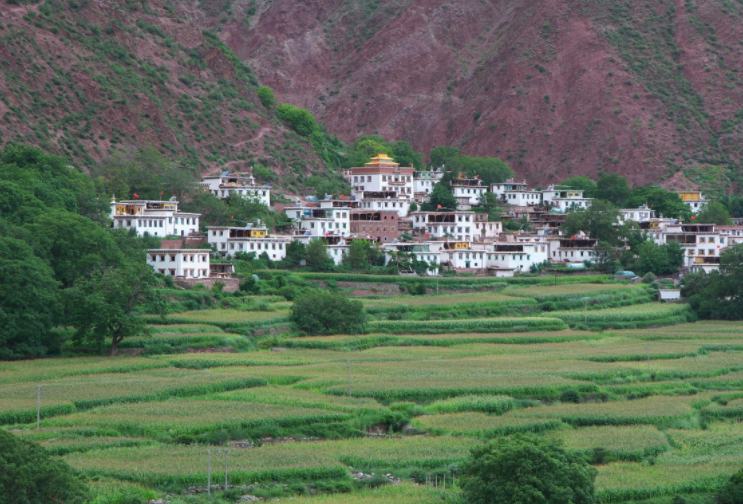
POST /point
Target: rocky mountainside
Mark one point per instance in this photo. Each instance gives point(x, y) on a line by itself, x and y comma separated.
point(83, 78)
point(555, 88)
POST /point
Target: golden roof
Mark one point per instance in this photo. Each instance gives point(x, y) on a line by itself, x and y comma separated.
point(381, 159)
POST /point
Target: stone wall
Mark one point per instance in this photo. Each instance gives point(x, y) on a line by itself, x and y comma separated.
point(230, 284)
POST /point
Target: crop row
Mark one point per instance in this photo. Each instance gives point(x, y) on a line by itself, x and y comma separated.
point(505, 324)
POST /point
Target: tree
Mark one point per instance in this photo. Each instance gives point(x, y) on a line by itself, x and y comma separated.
point(30, 475)
point(665, 203)
point(296, 252)
point(29, 304)
point(612, 188)
point(714, 213)
point(317, 254)
point(598, 221)
point(266, 96)
point(732, 492)
point(357, 257)
point(718, 295)
point(105, 306)
point(403, 153)
point(324, 312)
point(443, 197)
point(527, 469)
point(659, 259)
point(298, 118)
point(605, 258)
point(488, 201)
point(581, 183)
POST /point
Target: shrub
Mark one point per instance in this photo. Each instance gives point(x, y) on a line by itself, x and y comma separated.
point(570, 396)
point(649, 277)
point(526, 469)
point(266, 96)
point(28, 474)
point(322, 312)
point(300, 119)
point(732, 492)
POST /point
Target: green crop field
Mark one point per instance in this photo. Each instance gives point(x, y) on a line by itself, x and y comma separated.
point(654, 401)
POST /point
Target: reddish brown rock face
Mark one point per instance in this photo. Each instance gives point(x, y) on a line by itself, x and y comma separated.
point(555, 88)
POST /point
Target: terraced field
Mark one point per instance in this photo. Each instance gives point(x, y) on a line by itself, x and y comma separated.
point(658, 410)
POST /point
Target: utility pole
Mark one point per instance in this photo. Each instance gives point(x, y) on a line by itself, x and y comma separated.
point(348, 363)
point(38, 405)
point(585, 311)
point(209, 473)
point(648, 358)
point(225, 469)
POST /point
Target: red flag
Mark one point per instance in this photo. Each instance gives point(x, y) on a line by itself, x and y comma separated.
point(136, 195)
point(427, 235)
point(438, 206)
point(693, 217)
point(161, 193)
point(343, 197)
point(232, 217)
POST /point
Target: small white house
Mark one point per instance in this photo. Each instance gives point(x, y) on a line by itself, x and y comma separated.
point(183, 263)
point(224, 185)
point(669, 295)
point(156, 218)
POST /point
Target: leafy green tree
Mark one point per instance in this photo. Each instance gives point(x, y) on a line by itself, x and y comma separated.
point(612, 188)
point(581, 183)
point(447, 157)
point(605, 257)
point(718, 295)
point(105, 307)
point(134, 171)
point(665, 203)
point(266, 96)
point(659, 259)
point(403, 153)
point(317, 254)
point(296, 252)
point(714, 213)
point(490, 170)
point(324, 312)
point(298, 118)
point(488, 201)
point(732, 492)
point(28, 302)
point(527, 469)
point(443, 197)
point(358, 254)
point(30, 475)
point(72, 245)
point(598, 221)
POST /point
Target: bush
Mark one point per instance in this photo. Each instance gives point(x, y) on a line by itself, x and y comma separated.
point(300, 119)
point(322, 312)
point(527, 469)
point(266, 96)
point(570, 396)
point(732, 492)
point(29, 475)
point(649, 277)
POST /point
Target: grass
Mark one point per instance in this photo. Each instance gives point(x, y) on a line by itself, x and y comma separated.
point(298, 397)
point(186, 465)
point(193, 416)
point(623, 441)
point(502, 324)
point(482, 425)
point(552, 292)
point(634, 316)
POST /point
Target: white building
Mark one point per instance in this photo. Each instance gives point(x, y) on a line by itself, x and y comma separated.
point(638, 214)
point(382, 174)
point(422, 252)
point(505, 259)
point(320, 222)
point(484, 229)
point(230, 240)
point(423, 182)
point(222, 186)
point(522, 197)
point(456, 225)
point(572, 251)
point(565, 200)
point(183, 263)
point(468, 190)
point(385, 201)
point(694, 199)
point(157, 218)
point(509, 185)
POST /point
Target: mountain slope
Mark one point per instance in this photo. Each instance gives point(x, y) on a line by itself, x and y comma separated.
point(81, 78)
point(555, 88)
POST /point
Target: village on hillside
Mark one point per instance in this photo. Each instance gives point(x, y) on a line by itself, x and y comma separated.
point(383, 208)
